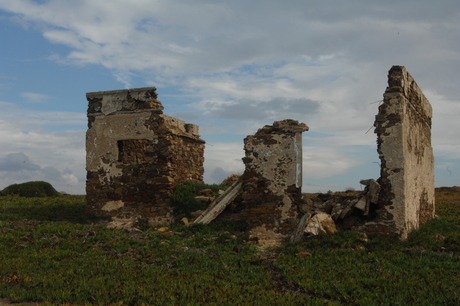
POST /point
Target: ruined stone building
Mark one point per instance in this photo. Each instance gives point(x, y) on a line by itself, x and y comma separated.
point(136, 155)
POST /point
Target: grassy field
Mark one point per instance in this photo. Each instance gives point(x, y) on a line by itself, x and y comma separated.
point(52, 253)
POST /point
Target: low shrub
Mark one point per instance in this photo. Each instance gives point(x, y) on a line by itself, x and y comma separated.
point(31, 189)
point(183, 197)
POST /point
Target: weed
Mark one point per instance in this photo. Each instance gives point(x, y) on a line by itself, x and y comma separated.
point(142, 224)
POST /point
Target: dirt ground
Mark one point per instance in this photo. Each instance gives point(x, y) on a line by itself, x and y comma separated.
point(5, 302)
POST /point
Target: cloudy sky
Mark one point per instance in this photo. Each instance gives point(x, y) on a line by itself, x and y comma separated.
point(230, 67)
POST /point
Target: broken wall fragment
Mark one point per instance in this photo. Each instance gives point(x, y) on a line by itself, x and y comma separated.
point(272, 181)
point(403, 128)
point(403, 196)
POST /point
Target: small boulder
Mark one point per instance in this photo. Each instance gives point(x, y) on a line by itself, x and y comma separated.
point(362, 203)
point(185, 221)
point(321, 223)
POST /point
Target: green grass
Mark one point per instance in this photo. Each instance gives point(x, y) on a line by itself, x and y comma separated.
point(52, 253)
point(379, 271)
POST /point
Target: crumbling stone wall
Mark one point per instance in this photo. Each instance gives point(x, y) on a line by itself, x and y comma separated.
point(403, 127)
point(272, 181)
point(136, 155)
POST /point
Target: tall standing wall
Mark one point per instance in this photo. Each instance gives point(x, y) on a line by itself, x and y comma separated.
point(403, 127)
point(136, 155)
point(272, 181)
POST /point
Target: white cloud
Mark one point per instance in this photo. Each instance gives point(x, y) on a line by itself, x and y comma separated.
point(251, 110)
point(221, 160)
point(28, 152)
point(319, 162)
point(323, 162)
point(26, 119)
point(183, 37)
point(17, 162)
point(63, 37)
point(322, 63)
point(33, 97)
point(18, 168)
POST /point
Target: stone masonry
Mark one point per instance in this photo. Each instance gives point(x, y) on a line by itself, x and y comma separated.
point(403, 128)
point(403, 196)
point(272, 181)
point(136, 155)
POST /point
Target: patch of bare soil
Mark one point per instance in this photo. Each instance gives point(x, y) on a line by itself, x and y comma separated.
point(5, 302)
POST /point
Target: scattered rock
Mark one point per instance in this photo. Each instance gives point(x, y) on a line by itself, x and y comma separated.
point(362, 203)
point(344, 210)
point(349, 221)
point(336, 211)
point(326, 206)
point(374, 191)
point(185, 221)
point(439, 237)
point(321, 223)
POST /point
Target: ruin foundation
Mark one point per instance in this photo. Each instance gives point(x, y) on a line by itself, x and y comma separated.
point(136, 155)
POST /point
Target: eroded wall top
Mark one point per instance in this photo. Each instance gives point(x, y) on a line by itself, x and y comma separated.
point(109, 102)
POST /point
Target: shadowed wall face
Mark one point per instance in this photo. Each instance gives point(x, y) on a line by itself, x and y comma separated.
point(403, 127)
point(136, 155)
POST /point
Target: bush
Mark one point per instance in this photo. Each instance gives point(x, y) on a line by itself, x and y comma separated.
point(183, 197)
point(31, 189)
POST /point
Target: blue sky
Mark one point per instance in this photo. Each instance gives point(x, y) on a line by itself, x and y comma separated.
point(231, 67)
